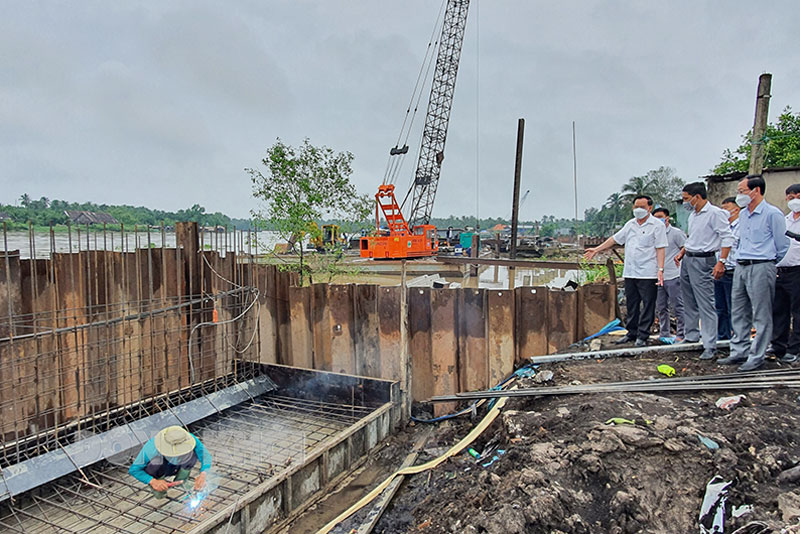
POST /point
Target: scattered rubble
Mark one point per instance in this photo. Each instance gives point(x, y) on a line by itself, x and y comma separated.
point(565, 471)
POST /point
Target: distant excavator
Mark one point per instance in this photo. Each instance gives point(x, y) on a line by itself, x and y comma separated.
point(415, 237)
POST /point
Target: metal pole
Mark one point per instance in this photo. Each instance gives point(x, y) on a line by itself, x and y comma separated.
point(575, 173)
point(512, 250)
point(757, 151)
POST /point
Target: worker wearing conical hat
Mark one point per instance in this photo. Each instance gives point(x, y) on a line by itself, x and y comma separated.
point(171, 453)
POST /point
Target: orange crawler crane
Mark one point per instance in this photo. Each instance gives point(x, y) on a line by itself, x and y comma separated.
point(415, 237)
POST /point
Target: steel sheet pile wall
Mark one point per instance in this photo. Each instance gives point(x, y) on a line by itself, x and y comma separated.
point(85, 333)
point(458, 339)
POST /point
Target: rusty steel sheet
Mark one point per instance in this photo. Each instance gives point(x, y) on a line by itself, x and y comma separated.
point(419, 332)
point(444, 346)
point(390, 338)
point(597, 308)
point(302, 344)
point(562, 320)
point(340, 302)
point(531, 322)
point(473, 363)
point(321, 322)
point(500, 331)
point(366, 338)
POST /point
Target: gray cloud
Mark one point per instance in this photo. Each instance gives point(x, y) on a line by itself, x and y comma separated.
point(164, 104)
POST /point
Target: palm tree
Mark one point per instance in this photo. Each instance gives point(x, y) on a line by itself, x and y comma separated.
point(638, 185)
point(25, 199)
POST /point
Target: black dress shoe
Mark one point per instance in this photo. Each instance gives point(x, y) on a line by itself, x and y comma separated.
point(624, 340)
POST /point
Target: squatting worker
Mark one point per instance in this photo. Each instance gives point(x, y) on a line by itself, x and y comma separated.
point(709, 234)
point(723, 286)
point(786, 310)
point(171, 453)
point(762, 243)
point(669, 294)
point(645, 239)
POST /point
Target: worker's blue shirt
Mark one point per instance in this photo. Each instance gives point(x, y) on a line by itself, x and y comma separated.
point(149, 452)
point(762, 233)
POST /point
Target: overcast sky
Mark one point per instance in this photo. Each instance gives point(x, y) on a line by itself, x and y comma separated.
point(164, 103)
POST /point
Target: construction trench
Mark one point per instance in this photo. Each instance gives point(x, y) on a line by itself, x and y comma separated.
point(289, 387)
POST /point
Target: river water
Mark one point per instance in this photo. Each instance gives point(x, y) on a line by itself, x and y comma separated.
point(43, 243)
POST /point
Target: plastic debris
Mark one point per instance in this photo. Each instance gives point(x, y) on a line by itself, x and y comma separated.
point(620, 421)
point(708, 442)
point(666, 370)
point(500, 452)
point(739, 511)
point(727, 403)
point(543, 376)
point(472, 452)
point(712, 511)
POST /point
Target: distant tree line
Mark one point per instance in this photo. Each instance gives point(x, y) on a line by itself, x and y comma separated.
point(45, 212)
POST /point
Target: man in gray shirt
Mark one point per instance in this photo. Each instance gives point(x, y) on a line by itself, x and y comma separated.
point(669, 294)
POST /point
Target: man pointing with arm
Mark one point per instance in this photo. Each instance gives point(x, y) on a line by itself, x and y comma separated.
point(645, 239)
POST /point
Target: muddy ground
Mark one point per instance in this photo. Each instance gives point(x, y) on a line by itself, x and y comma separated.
point(565, 470)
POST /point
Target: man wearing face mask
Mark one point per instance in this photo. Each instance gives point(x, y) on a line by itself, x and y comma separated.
point(171, 453)
point(786, 310)
point(723, 287)
point(669, 294)
point(645, 239)
point(709, 235)
point(762, 243)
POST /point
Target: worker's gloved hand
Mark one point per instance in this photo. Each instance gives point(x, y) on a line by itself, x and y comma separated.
point(200, 482)
point(159, 485)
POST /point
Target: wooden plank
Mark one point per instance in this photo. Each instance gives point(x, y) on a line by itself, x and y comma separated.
point(389, 332)
point(302, 342)
point(419, 331)
point(531, 322)
point(562, 320)
point(444, 347)
point(366, 326)
point(473, 363)
point(501, 335)
point(340, 302)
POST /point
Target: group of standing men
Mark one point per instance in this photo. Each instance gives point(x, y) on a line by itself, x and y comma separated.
point(738, 269)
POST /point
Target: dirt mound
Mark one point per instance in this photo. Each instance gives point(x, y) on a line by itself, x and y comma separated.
point(566, 470)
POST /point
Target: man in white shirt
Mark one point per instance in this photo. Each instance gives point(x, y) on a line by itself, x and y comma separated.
point(723, 287)
point(709, 236)
point(786, 308)
point(669, 294)
point(645, 240)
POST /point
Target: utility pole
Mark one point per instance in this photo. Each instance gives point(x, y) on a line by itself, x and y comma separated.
point(575, 172)
point(760, 124)
point(515, 205)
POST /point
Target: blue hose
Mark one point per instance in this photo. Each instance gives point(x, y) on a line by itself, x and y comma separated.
point(524, 371)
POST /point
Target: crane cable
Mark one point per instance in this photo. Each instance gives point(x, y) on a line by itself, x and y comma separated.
point(393, 163)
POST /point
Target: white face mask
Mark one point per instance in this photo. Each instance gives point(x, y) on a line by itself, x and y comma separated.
point(794, 205)
point(687, 205)
point(639, 213)
point(743, 199)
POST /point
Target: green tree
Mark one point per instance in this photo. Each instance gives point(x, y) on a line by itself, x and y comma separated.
point(782, 146)
point(303, 185)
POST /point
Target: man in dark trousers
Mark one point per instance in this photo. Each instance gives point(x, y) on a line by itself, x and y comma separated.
point(786, 310)
point(762, 243)
point(645, 240)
